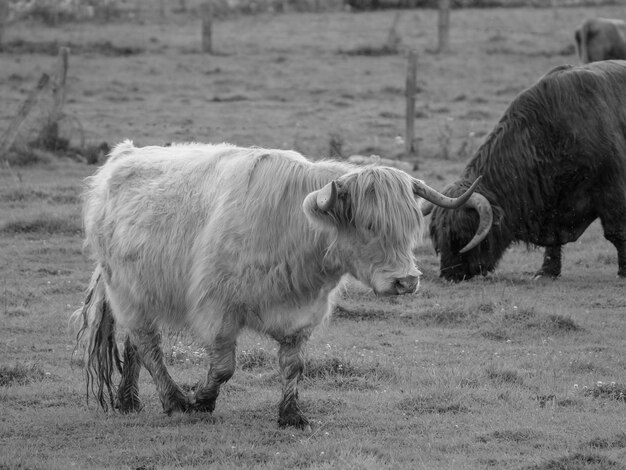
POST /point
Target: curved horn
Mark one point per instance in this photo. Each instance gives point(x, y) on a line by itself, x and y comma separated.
point(327, 197)
point(422, 189)
point(480, 203)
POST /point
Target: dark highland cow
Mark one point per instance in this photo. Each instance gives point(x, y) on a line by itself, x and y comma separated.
point(554, 163)
point(601, 39)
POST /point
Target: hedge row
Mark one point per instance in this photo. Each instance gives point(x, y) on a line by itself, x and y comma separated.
point(59, 11)
point(388, 4)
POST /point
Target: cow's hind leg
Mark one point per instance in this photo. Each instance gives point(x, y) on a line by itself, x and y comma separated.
point(291, 363)
point(551, 266)
point(221, 369)
point(617, 236)
point(147, 341)
point(128, 391)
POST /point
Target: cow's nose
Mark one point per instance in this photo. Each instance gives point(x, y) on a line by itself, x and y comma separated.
point(407, 285)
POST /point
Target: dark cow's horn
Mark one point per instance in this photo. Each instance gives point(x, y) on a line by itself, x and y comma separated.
point(481, 204)
point(327, 197)
point(422, 189)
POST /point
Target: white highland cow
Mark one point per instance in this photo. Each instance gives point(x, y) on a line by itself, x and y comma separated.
point(215, 238)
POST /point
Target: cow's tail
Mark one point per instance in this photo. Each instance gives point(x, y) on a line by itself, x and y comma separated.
point(96, 337)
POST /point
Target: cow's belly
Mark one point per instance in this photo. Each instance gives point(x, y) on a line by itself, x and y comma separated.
point(564, 225)
point(285, 320)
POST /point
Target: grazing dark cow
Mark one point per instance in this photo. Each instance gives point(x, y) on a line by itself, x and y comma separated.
point(215, 238)
point(601, 39)
point(554, 163)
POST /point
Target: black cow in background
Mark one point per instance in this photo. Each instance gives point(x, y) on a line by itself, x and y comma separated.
point(554, 163)
point(601, 39)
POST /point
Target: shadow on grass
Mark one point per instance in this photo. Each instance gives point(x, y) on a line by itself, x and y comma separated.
point(21, 374)
point(579, 461)
point(44, 224)
point(512, 435)
point(438, 402)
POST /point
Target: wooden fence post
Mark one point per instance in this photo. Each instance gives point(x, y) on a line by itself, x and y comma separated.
point(11, 133)
point(444, 26)
point(206, 10)
point(411, 89)
point(4, 18)
point(60, 77)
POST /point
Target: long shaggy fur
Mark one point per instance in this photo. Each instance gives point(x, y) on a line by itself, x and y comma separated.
point(558, 146)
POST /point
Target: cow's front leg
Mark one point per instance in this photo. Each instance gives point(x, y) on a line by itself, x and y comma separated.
point(147, 341)
point(551, 266)
point(221, 369)
point(291, 363)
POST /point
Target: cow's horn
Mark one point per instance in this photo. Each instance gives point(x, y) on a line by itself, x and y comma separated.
point(327, 197)
point(483, 207)
point(422, 189)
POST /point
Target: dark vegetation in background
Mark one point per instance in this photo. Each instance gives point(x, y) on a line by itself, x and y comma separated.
point(363, 5)
point(53, 13)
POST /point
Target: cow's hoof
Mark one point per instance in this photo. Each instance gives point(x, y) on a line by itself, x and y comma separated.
point(202, 402)
point(203, 406)
point(133, 405)
point(177, 404)
point(545, 275)
point(295, 420)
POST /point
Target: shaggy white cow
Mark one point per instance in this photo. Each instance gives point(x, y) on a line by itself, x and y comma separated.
point(215, 238)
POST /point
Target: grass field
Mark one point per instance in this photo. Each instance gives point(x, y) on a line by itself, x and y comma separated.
point(499, 372)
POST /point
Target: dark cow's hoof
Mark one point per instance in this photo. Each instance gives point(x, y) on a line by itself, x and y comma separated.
point(545, 275)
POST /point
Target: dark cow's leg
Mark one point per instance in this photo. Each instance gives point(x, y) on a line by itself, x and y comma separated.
point(617, 236)
point(551, 262)
point(222, 368)
point(128, 390)
point(147, 341)
point(291, 363)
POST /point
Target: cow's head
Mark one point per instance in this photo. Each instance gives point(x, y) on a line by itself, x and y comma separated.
point(464, 237)
point(375, 222)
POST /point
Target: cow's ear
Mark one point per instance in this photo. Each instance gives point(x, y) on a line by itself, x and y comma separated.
point(326, 198)
point(323, 206)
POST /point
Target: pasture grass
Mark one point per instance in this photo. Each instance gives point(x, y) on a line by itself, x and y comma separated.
point(497, 372)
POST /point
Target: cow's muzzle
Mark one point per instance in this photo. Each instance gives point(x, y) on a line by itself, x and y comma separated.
point(404, 285)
